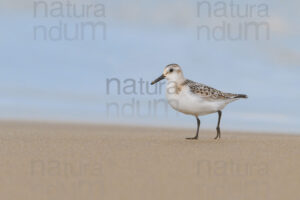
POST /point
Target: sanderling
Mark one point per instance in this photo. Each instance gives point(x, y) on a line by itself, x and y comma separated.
point(193, 98)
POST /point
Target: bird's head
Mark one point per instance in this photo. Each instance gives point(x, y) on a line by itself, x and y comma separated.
point(172, 72)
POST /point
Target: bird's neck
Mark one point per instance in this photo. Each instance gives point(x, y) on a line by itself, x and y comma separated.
point(174, 87)
point(178, 80)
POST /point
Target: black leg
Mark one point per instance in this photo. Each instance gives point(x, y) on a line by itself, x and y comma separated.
point(218, 127)
point(198, 125)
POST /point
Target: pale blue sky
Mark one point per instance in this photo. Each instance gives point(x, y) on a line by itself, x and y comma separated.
point(66, 80)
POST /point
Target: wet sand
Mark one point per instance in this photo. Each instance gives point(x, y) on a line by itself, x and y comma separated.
point(76, 161)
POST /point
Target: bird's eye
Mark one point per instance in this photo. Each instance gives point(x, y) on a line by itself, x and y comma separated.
point(171, 70)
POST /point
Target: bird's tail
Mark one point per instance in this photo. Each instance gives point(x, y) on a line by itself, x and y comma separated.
point(237, 96)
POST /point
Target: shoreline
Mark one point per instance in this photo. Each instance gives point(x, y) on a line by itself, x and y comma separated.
point(130, 125)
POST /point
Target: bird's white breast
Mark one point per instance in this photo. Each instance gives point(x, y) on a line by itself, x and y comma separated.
point(183, 100)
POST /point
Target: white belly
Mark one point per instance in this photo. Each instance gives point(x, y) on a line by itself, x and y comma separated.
point(193, 104)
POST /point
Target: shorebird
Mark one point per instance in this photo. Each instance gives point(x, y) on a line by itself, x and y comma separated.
point(194, 98)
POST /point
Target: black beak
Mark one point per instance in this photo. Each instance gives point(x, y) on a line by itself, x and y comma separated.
point(158, 79)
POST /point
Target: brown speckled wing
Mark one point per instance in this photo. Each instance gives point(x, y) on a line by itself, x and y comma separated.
point(206, 91)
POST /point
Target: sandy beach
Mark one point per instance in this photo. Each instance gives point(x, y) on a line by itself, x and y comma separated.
point(76, 161)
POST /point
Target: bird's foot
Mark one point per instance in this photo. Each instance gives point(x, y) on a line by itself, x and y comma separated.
point(217, 137)
point(192, 138)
